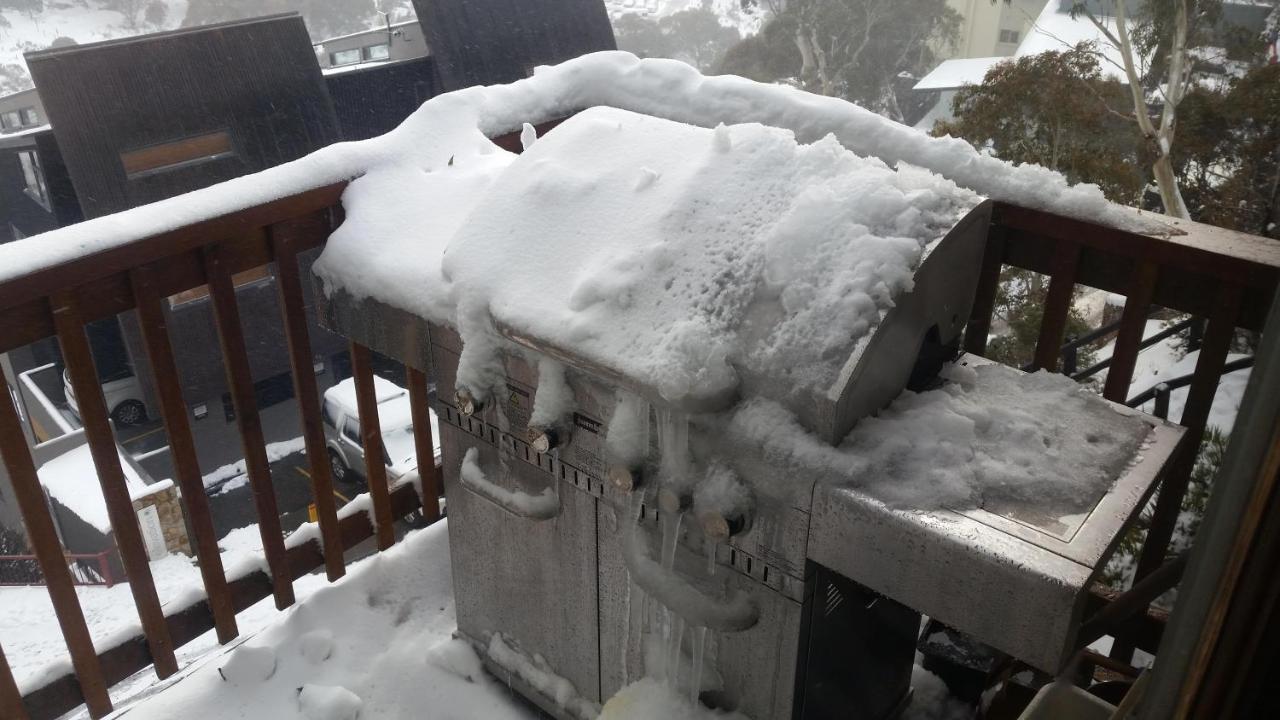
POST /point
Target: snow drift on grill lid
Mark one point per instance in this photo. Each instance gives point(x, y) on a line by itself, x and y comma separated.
point(684, 259)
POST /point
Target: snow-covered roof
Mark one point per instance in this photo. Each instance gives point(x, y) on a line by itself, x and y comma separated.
point(371, 31)
point(72, 480)
point(457, 125)
point(1056, 30)
point(952, 74)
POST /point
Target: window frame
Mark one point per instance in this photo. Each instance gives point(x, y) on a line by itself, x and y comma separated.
point(367, 52)
point(351, 430)
point(1015, 35)
point(36, 187)
point(335, 62)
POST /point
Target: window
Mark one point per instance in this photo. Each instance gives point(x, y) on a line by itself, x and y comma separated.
point(33, 175)
point(189, 151)
point(274, 390)
point(377, 52)
point(351, 430)
point(1009, 36)
point(345, 57)
point(11, 119)
point(30, 116)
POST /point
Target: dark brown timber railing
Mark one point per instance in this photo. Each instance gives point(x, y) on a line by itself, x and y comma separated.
point(1225, 277)
point(1207, 272)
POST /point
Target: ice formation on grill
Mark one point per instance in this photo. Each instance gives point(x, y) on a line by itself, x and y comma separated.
point(678, 256)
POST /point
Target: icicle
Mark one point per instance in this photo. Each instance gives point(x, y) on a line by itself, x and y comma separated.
point(670, 539)
point(699, 657)
point(673, 650)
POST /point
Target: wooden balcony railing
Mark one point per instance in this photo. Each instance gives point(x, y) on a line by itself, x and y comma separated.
point(140, 276)
point(1224, 277)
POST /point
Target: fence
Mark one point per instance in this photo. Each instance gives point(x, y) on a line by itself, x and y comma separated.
point(17, 570)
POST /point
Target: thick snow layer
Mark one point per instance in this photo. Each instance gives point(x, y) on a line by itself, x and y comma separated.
point(543, 505)
point(680, 254)
point(538, 674)
point(72, 480)
point(33, 643)
point(650, 699)
point(410, 190)
point(380, 639)
point(391, 656)
point(991, 437)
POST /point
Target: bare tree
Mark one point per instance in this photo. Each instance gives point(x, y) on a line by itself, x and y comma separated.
point(1171, 92)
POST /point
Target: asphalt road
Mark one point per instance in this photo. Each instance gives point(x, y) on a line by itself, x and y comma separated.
point(291, 479)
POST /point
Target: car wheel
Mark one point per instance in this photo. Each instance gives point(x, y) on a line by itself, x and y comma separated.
point(337, 467)
point(129, 412)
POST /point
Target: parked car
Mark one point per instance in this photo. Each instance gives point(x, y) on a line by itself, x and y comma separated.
point(342, 430)
point(124, 398)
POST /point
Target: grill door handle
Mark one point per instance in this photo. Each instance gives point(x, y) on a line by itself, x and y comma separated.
point(543, 506)
point(736, 614)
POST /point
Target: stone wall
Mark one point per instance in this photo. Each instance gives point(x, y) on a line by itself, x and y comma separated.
point(173, 523)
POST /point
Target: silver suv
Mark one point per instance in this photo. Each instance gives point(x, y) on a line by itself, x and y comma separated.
point(342, 430)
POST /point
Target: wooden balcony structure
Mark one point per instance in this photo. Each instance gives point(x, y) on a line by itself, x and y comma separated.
point(1225, 277)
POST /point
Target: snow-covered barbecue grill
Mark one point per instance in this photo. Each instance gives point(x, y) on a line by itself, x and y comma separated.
point(659, 448)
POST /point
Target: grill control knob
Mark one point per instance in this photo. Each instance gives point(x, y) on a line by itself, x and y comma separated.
point(624, 478)
point(672, 501)
point(719, 528)
point(467, 403)
point(543, 439)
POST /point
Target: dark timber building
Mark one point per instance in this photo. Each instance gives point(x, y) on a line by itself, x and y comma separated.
point(484, 42)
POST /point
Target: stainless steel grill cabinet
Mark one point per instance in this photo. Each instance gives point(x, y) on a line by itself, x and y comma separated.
point(813, 600)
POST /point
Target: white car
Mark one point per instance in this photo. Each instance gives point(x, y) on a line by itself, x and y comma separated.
point(123, 395)
point(342, 429)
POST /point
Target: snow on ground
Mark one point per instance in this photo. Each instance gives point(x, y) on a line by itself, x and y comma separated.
point(1165, 361)
point(377, 645)
point(232, 475)
point(29, 629)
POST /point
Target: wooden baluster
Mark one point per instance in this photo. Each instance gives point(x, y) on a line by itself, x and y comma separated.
point(1133, 322)
point(371, 439)
point(186, 465)
point(48, 550)
point(83, 374)
point(1057, 305)
point(1195, 417)
point(10, 699)
point(226, 314)
point(289, 285)
point(979, 326)
point(424, 444)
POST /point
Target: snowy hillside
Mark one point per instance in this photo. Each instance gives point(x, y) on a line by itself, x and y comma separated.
point(27, 25)
point(730, 11)
point(83, 21)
